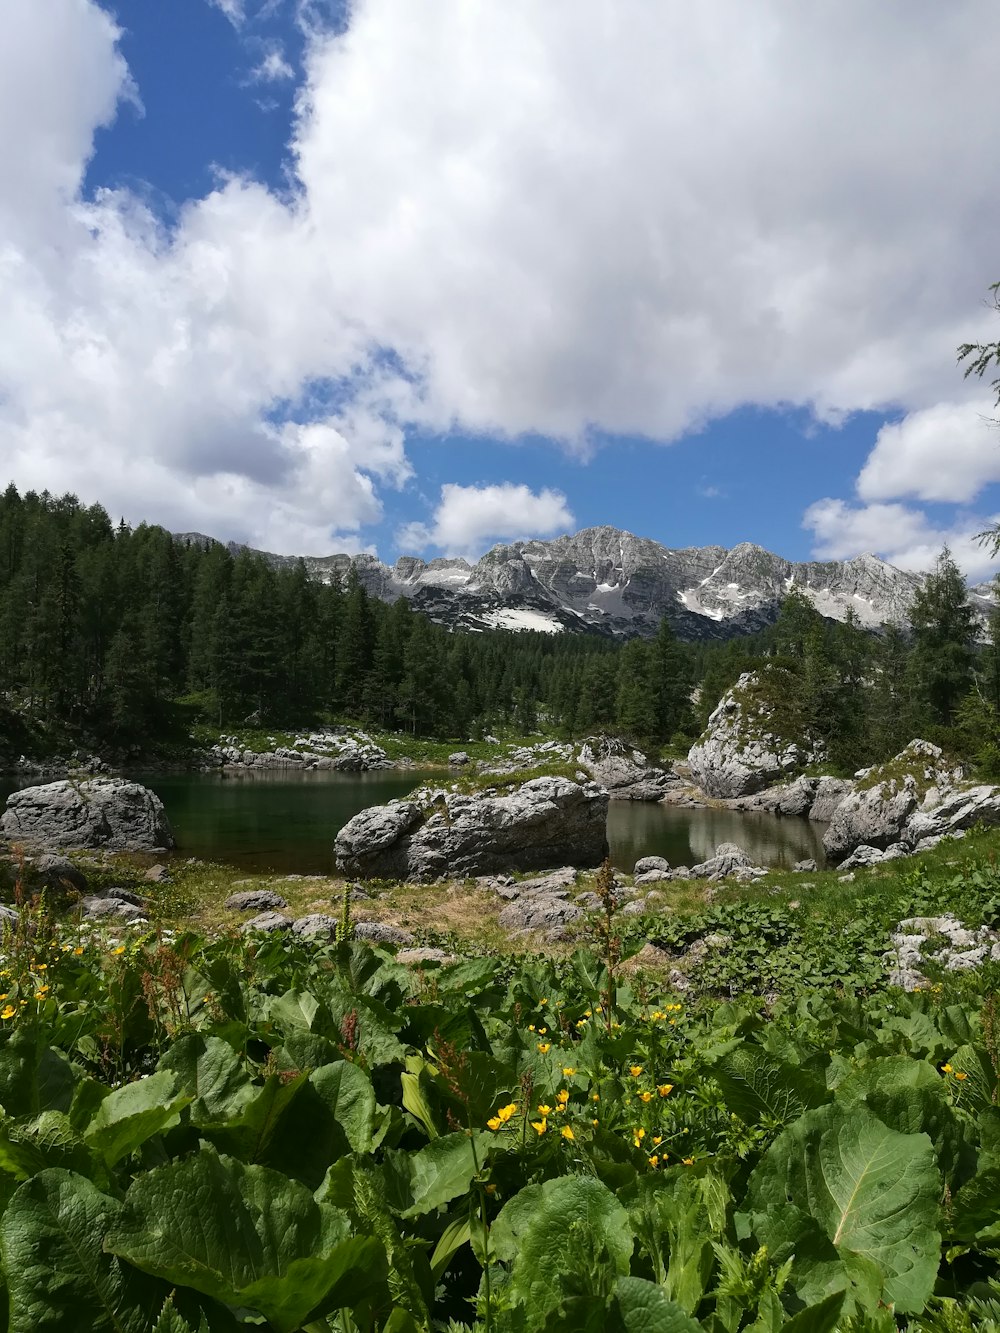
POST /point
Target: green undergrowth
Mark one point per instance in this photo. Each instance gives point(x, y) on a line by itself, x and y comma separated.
point(206, 1135)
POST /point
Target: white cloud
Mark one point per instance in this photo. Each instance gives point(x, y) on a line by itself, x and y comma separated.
point(946, 452)
point(272, 67)
point(234, 10)
point(558, 217)
point(468, 519)
point(903, 536)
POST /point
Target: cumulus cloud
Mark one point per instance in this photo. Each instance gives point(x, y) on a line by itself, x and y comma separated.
point(272, 67)
point(468, 519)
point(559, 219)
point(946, 452)
point(902, 535)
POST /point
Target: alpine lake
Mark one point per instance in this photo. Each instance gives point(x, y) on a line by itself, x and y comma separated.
point(285, 822)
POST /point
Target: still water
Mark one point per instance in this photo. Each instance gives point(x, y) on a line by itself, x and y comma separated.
point(286, 822)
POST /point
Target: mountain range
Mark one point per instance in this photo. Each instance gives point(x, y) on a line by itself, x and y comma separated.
point(608, 581)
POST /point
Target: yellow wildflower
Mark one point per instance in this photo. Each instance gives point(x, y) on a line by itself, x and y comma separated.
point(41, 967)
point(544, 1110)
point(960, 1076)
point(657, 1140)
point(595, 1097)
point(562, 1096)
point(673, 1022)
point(494, 1123)
point(593, 1122)
point(8, 1011)
point(540, 1126)
point(645, 1096)
point(544, 1047)
point(568, 1072)
point(657, 1016)
point(638, 1134)
point(77, 952)
point(946, 1069)
point(542, 1031)
point(506, 1112)
point(567, 1133)
point(42, 990)
point(654, 1161)
point(635, 1070)
point(531, 1027)
point(120, 949)
point(588, 1013)
point(688, 1161)
point(543, 1001)
point(664, 1089)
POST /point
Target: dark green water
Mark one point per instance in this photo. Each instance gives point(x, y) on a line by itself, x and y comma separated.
point(286, 822)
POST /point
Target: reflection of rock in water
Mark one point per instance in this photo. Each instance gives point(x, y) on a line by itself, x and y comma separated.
point(687, 837)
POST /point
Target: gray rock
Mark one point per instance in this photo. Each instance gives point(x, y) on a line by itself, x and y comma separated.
point(547, 821)
point(539, 912)
point(623, 771)
point(648, 863)
point(414, 957)
point(9, 918)
point(830, 792)
point(267, 923)
point(124, 895)
point(741, 751)
point(157, 875)
point(639, 907)
point(112, 909)
point(380, 932)
point(458, 760)
point(376, 841)
point(96, 812)
point(58, 873)
point(794, 798)
point(588, 901)
point(863, 856)
point(652, 877)
point(316, 924)
point(729, 861)
point(805, 867)
point(255, 900)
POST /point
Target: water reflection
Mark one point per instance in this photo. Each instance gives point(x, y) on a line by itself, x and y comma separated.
point(286, 821)
point(686, 837)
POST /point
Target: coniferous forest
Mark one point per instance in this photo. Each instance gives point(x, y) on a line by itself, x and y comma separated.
point(116, 631)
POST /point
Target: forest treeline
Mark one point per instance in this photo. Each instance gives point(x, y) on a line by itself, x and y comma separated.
point(110, 629)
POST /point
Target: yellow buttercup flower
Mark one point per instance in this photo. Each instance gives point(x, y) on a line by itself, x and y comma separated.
point(543, 1001)
point(946, 1069)
point(595, 1097)
point(544, 1047)
point(120, 949)
point(567, 1133)
point(654, 1161)
point(645, 1096)
point(506, 1112)
point(539, 1126)
point(568, 1072)
point(635, 1070)
point(77, 952)
point(960, 1076)
point(688, 1161)
point(664, 1089)
point(562, 1096)
point(638, 1134)
point(657, 1140)
point(544, 1110)
point(494, 1123)
point(8, 1011)
point(542, 1031)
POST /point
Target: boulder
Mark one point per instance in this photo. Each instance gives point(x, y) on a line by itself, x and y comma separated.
point(877, 812)
point(729, 861)
point(646, 864)
point(805, 867)
point(957, 948)
point(112, 909)
point(380, 932)
point(95, 812)
point(624, 772)
point(255, 900)
point(458, 760)
point(58, 874)
point(547, 821)
point(744, 748)
point(830, 792)
point(539, 912)
point(157, 875)
point(316, 925)
point(267, 923)
point(9, 918)
point(793, 798)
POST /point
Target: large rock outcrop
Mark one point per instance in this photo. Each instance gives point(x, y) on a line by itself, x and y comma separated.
point(440, 834)
point(746, 747)
point(624, 771)
point(94, 812)
point(884, 807)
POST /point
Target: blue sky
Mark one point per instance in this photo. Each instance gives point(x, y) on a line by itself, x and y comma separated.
point(430, 277)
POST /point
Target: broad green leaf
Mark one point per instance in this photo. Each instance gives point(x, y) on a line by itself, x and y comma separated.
point(249, 1133)
point(439, 1172)
point(33, 1076)
point(212, 1073)
point(567, 1237)
point(871, 1192)
point(417, 1091)
point(643, 1307)
point(455, 1235)
point(47, 1140)
point(299, 1010)
point(333, 1114)
point(58, 1275)
point(760, 1087)
point(246, 1236)
point(669, 1216)
point(346, 1092)
point(134, 1113)
point(824, 1317)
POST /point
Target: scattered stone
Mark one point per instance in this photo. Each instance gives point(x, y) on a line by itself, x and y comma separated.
point(9, 918)
point(795, 798)
point(415, 957)
point(846, 879)
point(112, 909)
point(956, 948)
point(805, 867)
point(95, 812)
point(729, 862)
point(58, 873)
point(267, 923)
point(539, 912)
point(255, 900)
point(436, 834)
point(458, 760)
point(316, 924)
point(624, 772)
point(647, 863)
point(157, 874)
point(380, 932)
point(124, 896)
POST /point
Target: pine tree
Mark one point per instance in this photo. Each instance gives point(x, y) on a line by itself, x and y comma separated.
point(944, 635)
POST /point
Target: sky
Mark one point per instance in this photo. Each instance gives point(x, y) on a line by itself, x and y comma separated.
point(419, 276)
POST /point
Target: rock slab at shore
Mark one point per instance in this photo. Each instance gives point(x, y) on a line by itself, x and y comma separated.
point(741, 750)
point(439, 834)
point(96, 812)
